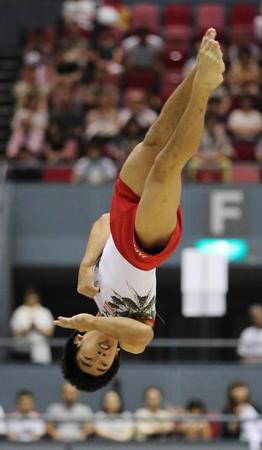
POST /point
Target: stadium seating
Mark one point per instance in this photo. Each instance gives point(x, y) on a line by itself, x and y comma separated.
point(177, 15)
point(145, 15)
point(245, 173)
point(210, 15)
point(242, 20)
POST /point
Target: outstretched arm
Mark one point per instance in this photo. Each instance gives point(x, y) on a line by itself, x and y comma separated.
point(98, 237)
point(133, 336)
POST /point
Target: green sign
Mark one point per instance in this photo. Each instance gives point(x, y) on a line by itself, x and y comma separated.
point(233, 249)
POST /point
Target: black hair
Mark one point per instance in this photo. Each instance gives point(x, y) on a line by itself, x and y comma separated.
point(81, 380)
point(196, 404)
point(24, 393)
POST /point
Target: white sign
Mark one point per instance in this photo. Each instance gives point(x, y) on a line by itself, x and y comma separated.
point(225, 206)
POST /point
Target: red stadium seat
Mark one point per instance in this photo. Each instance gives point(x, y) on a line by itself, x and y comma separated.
point(145, 15)
point(170, 80)
point(245, 151)
point(139, 78)
point(174, 56)
point(246, 173)
point(243, 14)
point(178, 15)
point(57, 174)
point(242, 21)
point(210, 15)
point(178, 36)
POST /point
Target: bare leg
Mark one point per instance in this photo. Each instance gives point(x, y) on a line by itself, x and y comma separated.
point(140, 161)
point(157, 212)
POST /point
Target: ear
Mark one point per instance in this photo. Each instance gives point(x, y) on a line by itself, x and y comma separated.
point(78, 339)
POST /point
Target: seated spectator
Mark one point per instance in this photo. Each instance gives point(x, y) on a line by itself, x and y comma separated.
point(195, 428)
point(112, 422)
point(28, 130)
point(238, 401)
point(69, 420)
point(137, 109)
point(59, 148)
point(142, 42)
point(131, 135)
point(25, 424)
point(245, 122)
point(108, 51)
point(244, 41)
point(153, 420)
point(249, 347)
point(2, 423)
point(103, 120)
point(94, 168)
point(65, 111)
point(31, 325)
point(220, 105)
point(244, 74)
point(29, 86)
point(214, 153)
point(82, 12)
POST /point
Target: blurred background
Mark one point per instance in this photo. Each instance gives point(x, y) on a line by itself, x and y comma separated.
point(81, 81)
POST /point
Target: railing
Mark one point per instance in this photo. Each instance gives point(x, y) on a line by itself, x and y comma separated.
point(156, 343)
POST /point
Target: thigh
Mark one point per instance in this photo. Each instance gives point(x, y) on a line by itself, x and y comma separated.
point(137, 167)
point(157, 212)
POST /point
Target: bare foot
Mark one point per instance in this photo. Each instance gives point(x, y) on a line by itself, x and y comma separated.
point(210, 66)
point(209, 34)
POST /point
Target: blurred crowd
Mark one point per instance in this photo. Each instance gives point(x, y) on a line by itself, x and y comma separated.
point(69, 420)
point(90, 88)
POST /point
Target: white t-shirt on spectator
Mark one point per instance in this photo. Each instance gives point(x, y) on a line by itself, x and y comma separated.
point(118, 426)
point(144, 118)
point(31, 320)
point(2, 422)
point(247, 120)
point(251, 428)
point(250, 343)
point(25, 427)
point(95, 172)
point(69, 430)
point(82, 12)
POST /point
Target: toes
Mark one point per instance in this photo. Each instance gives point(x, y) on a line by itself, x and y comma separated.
point(211, 33)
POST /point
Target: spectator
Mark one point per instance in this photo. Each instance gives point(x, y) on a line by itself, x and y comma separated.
point(143, 49)
point(31, 325)
point(65, 111)
point(244, 41)
point(25, 424)
point(238, 399)
point(28, 86)
point(137, 109)
point(249, 347)
point(245, 122)
point(82, 12)
point(28, 130)
point(58, 147)
point(112, 422)
point(214, 153)
point(103, 120)
point(244, 74)
point(74, 418)
point(94, 168)
point(195, 428)
point(2, 423)
point(153, 420)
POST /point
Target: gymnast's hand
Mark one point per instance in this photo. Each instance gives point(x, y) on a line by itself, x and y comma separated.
point(87, 284)
point(81, 322)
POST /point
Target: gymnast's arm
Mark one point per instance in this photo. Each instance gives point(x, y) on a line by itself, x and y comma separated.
point(98, 237)
point(133, 336)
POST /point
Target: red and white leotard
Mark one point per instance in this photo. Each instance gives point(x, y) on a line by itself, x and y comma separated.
point(126, 273)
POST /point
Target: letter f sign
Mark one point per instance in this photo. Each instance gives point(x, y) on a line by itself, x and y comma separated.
point(224, 206)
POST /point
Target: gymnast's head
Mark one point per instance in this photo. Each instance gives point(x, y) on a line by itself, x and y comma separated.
point(90, 360)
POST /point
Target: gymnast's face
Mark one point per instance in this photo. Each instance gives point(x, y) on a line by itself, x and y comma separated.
point(96, 353)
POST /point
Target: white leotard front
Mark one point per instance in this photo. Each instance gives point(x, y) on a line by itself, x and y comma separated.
point(124, 290)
